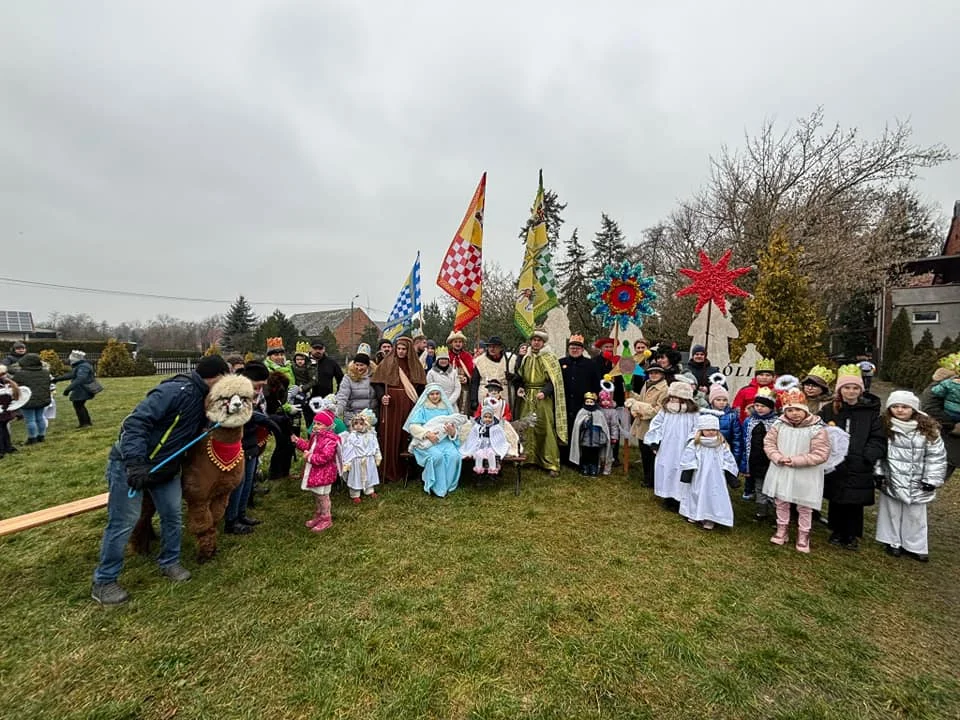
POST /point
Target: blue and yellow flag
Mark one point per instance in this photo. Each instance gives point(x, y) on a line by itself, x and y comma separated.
point(407, 306)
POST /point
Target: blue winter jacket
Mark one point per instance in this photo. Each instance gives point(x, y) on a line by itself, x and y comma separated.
point(169, 417)
point(732, 430)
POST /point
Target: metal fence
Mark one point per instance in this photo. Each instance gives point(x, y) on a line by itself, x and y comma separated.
point(172, 366)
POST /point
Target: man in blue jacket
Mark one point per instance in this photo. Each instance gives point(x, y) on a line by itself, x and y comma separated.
point(162, 424)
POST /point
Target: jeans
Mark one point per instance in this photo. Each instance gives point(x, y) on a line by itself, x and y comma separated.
point(237, 506)
point(123, 513)
point(36, 422)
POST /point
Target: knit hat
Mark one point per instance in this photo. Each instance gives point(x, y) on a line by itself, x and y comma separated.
point(688, 378)
point(680, 390)
point(794, 398)
point(255, 370)
point(656, 369)
point(820, 376)
point(707, 421)
point(443, 352)
point(849, 375)
point(19, 345)
point(76, 356)
point(324, 418)
point(697, 349)
point(717, 391)
point(765, 397)
point(211, 366)
point(903, 397)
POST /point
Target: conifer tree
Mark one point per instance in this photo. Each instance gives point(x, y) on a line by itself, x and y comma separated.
point(239, 326)
point(277, 325)
point(609, 246)
point(552, 208)
point(575, 286)
point(115, 360)
point(781, 318)
point(946, 345)
point(899, 343)
point(925, 342)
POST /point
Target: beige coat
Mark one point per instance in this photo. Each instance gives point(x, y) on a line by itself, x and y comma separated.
point(644, 406)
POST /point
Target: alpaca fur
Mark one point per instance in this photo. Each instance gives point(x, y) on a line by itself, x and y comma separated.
point(206, 487)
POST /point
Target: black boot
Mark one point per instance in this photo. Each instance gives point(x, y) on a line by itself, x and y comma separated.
point(237, 528)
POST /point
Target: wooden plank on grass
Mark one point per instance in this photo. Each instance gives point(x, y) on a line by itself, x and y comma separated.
point(49, 515)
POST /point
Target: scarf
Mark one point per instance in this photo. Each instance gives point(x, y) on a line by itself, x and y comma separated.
point(711, 442)
point(903, 426)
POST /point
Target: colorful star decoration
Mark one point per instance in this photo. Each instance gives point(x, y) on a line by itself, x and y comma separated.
point(713, 282)
point(623, 295)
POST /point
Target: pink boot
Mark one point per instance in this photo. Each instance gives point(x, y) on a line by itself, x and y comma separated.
point(312, 522)
point(804, 523)
point(325, 519)
point(783, 521)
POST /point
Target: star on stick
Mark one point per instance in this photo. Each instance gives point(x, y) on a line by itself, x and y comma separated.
point(713, 282)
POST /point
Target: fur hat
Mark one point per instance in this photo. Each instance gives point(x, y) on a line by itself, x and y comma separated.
point(494, 384)
point(765, 397)
point(76, 356)
point(717, 391)
point(903, 397)
point(941, 374)
point(540, 333)
point(324, 418)
point(442, 352)
point(680, 390)
point(794, 398)
point(212, 366)
point(456, 335)
point(707, 421)
point(849, 375)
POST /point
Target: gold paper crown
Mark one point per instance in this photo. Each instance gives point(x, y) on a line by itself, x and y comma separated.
point(766, 392)
point(951, 362)
point(442, 351)
point(275, 343)
point(793, 397)
point(822, 373)
point(303, 347)
point(576, 338)
point(590, 396)
point(849, 370)
point(764, 365)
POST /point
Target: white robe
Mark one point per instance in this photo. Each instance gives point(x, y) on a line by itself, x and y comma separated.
point(671, 431)
point(707, 497)
point(498, 441)
point(361, 451)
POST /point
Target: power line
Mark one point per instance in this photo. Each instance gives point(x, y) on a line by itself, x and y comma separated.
point(157, 296)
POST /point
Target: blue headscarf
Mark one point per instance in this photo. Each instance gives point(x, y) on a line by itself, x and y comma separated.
point(422, 400)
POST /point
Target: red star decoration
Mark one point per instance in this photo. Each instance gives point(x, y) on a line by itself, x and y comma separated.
point(713, 282)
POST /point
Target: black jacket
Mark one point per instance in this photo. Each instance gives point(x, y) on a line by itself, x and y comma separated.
point(580, 376)
point(32, 375)
point(702, 372)
point(852, 483)
point(327, 370)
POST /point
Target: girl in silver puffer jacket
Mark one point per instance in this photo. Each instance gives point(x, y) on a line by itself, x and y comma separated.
point(915, 466)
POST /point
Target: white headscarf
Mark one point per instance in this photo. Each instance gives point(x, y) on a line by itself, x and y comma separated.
point(422, 400)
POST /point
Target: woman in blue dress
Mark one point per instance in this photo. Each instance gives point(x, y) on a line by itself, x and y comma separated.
point(433, 424)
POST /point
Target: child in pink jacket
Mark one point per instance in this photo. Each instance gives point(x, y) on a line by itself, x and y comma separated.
point(322, 454)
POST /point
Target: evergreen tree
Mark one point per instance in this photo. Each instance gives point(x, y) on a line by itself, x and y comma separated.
point(115, 360)
point(947, 345)
point(925, 343)
point(438, 320)
point(856, 318)
point(575, 286)
point(51, 358)
point(781, 318)
point(329, 341)
point(899, 343)
point(609, 246)
point(143, 365)
point(552, 208)
point(239, 326)
point(370, 336)
point(277, 325)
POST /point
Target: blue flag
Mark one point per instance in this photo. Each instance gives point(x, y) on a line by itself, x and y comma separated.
point(407, 306)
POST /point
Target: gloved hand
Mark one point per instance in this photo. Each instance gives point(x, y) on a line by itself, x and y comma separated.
point(732, 480)
point(927, 487)
point(686, 476)
point(138, 475)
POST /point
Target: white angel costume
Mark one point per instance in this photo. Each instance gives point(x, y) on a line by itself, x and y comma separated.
point(486, 442)
point(707, 497)
point(670, 431)
point(360, 452)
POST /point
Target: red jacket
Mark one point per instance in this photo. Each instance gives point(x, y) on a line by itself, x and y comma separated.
point(745, 396)
point(462, 360)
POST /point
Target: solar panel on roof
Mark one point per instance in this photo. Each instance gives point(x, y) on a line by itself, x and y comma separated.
point(15, 321)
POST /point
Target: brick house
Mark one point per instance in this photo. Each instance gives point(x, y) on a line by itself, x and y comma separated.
point(346, 327)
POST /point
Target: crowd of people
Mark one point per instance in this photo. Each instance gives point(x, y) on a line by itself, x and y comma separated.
point(791, 443)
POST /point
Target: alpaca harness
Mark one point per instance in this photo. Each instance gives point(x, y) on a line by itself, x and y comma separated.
point(225, 455)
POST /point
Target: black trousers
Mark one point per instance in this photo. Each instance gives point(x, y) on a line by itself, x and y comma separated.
point(83, 416)
point(5, 444)
point(589, 457)
point(647, 460)
point(846, 520)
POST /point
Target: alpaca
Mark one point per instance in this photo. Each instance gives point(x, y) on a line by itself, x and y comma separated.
point(211, 469)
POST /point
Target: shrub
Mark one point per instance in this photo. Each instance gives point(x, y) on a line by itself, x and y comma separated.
point(115, 361)
point(57, 366)
point(899, 343)
point(143, 365)
point(914, 370)
point(925, 342)
point(214, 349)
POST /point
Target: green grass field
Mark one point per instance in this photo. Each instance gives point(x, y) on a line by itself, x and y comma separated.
point(578, 599)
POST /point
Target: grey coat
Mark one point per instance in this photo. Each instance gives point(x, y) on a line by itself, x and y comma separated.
point(355, 395)
point(912, 461)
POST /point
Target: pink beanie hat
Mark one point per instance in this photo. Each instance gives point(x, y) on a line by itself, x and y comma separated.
point(849, 375)
point(324, 418)
point(717, 390)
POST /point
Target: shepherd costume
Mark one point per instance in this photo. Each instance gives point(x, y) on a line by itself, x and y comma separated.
point(487, 368)
point(400, 379)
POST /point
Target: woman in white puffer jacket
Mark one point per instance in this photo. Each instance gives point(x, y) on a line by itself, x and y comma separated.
point(915, 466)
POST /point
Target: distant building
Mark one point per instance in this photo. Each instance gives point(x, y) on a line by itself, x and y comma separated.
point(347, 328)
point(18, 325)
point(931, 293)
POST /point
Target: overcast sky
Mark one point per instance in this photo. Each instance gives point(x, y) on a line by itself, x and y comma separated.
point(302, 152)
